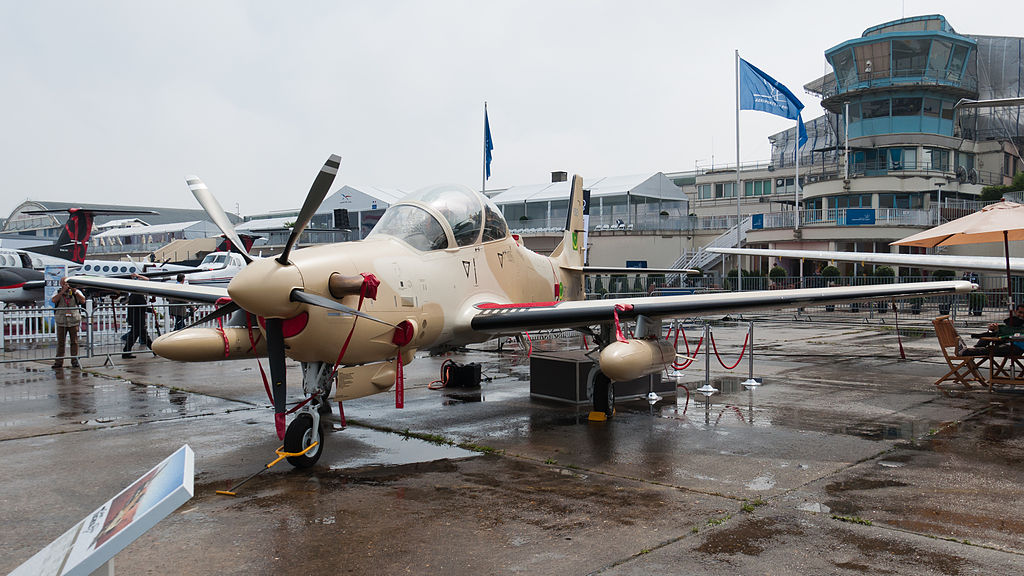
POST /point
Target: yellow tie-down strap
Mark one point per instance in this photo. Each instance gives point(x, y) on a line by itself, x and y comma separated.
point(281, 455)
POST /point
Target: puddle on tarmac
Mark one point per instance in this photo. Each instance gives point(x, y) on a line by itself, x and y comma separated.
point(390, 449)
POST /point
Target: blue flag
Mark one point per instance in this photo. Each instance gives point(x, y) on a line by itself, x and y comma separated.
point(488, 144)
point(759, 91)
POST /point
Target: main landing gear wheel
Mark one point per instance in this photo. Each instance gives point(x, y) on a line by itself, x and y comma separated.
point(602, 393)
point(299, 436)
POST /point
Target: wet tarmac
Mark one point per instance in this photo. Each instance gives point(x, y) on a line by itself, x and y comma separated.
point(845, 460)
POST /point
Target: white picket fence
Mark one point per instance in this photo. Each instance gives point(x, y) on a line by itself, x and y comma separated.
point(29, 333)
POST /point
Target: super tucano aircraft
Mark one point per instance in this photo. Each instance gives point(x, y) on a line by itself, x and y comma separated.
point(439, 270)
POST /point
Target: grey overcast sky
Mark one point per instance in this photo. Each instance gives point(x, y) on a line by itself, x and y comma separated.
point(117, 101)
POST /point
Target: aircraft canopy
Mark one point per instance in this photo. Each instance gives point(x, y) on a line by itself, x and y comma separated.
point(467, 215)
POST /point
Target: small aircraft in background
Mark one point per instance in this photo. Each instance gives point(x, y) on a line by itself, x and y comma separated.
point(439, 270)
point(21, 276)
point(223, 264)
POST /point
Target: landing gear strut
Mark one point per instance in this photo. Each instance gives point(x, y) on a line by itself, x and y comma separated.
point(306, 428)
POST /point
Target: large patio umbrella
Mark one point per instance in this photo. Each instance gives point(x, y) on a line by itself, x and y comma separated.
point(1001, 221)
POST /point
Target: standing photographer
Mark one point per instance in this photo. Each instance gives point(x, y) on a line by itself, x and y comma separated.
point(68, 318)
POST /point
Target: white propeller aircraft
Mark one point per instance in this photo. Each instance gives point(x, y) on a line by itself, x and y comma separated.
point(439, 270)
point(21, 271)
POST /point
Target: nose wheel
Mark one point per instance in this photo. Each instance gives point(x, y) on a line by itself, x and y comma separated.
point(304, 430)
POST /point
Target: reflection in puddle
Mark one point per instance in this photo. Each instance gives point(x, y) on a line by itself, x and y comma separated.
point(388, 449)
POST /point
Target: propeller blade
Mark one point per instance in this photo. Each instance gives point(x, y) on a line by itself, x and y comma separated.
point(216, 213)
point(324, 302)
point(218, 313)
point(279, 387)
point(317, 192)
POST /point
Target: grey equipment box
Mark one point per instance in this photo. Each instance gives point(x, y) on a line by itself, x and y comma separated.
point(568, 376)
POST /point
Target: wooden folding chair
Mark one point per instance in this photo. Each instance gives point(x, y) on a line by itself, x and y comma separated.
point(962, 369)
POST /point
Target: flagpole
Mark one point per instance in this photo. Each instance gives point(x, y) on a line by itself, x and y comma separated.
point(796, 204)
point(739, 268)
point(483, 174)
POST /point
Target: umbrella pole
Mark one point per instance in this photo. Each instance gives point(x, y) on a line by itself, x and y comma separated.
point(1009, 283)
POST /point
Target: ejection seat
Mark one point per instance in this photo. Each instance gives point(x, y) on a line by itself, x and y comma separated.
point(962, 369)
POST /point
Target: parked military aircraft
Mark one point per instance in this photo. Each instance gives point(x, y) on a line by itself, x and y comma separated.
point(440, 269)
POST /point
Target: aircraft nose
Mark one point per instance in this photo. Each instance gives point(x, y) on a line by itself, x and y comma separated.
point(9, 279)
point(264, 288)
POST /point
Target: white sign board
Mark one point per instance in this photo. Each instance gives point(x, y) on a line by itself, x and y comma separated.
point(96, 539)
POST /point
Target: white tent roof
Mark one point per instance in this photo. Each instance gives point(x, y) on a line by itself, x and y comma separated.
point(264, 224)
point(155, 229)
point(388, 195)
point(650, 185)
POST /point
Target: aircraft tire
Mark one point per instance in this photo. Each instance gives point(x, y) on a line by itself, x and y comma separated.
point(298, 436)
point(603, 394)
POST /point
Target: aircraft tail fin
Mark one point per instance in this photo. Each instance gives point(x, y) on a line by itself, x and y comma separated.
point(226, 245)
point(74, 237)
point(568, 256)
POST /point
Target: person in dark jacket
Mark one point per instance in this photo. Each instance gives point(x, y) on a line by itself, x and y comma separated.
point(136, 321)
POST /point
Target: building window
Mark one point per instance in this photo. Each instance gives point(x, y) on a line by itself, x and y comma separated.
point(845, 67)
point(906, 106)
point(757, 187)
point(875, 109)
point(784, 186)
point(956, 62)
point(725, 190)
point(909, 56)
point(938, 159)
point(852, 201)
point(704, 192)
point(947, 110)
point(906, 201)
point(902, 159)
point(939, 58)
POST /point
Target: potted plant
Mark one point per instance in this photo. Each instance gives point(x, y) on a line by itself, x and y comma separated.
point(777, 274)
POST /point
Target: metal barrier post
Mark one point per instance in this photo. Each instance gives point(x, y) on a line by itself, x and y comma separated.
point(750, 359)
point(88, 325)
point(3, 328)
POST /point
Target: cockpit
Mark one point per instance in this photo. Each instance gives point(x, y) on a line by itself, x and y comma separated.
point(214, 258)
point(442, 216)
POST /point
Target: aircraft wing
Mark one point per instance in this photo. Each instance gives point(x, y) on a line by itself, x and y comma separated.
point(624, 270)
point(506, 318)
point(932, 261)
point(206, 294)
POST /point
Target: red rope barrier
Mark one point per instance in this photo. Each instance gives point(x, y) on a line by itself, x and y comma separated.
point(742, 351)
point(675, 344)
point(899, 339)
point(687, 403)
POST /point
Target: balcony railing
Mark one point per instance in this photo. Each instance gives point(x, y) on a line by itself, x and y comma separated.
point(919, 78)
point(885, 167)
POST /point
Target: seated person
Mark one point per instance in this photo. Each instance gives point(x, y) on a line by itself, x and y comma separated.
point(1014, 323)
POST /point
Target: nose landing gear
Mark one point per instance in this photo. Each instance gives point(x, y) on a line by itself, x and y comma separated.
point(304, 430)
